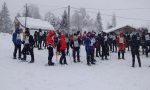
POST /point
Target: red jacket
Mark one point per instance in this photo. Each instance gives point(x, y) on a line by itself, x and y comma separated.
point(63, 44)
point(50, 39)
point(121, 41)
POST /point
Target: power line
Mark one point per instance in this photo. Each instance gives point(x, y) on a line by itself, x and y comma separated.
point(116, 16)
point(119, 9)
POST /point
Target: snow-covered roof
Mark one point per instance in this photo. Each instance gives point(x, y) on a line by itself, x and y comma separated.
point(32, 23)
point(115, 28)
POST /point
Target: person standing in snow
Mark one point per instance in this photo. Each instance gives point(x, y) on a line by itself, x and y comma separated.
point(128, 40)
point(40, 34)
point(75, 45)
point(143, 43)
point(28, 45)
point(36, 39)
point(105, 46)
point(147, 42)
point(89, 42)
point(114, 44)
point(50, 45)
point(98, 45)
point(67, 41)
point(135, 50)
point(16, 38)
point(44, 40)
point(121, 41)
point(63, 47)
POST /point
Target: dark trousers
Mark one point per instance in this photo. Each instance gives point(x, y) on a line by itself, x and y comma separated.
point(39, 44)
point(121, 52)
point(76, 51)
point(114, 46)
point(63, 58)
point(90, 56)
point(110, 46)
point(67, 48)
point(105, 52)
point(98, 52)
point(17, 47)
point(28, 48)
point(50, 56)
point(147, 48)
point(44, 44)
point(36, 43)
point(138, 58)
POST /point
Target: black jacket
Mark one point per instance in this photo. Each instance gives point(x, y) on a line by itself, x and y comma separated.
point(134, 44)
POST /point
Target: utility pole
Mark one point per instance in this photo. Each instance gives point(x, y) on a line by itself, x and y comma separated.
point(69, 18)
point(26, 15)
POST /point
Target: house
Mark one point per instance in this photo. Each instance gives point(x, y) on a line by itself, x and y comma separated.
point(124, 29)
point(32, 24)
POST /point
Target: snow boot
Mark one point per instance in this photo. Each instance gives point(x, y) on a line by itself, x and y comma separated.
point(14, 58)
point(50, 63)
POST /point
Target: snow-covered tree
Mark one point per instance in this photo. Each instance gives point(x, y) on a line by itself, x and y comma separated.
point(5, 21)
point(52, 19)
point(76, 20)
point(114, 22)
point(81, 20)
point(32, 11)
point(99, 26)
point(64, 22)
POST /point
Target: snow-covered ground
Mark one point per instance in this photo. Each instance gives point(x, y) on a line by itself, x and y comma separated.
point(113, 74)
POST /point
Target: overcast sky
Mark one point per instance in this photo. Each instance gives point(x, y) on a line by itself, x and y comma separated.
point(16, 6)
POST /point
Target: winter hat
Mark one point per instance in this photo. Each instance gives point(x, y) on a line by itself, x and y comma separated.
point(121, 33)
point(17, 30)
point(62, 36)
point(27, 31)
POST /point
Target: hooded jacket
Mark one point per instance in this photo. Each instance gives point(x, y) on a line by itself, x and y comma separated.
point(50, 39)
point(16, 38)
point(63, 44)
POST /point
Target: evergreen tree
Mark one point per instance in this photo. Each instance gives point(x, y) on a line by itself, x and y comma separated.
point(99, 22)
point(64, 22)
point(114, 22)
point(5, 21)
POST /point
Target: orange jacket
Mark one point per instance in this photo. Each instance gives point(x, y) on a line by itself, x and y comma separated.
point(50, 39)
point(63, 44)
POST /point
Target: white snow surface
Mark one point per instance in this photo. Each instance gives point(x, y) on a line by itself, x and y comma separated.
point(35, 23)
point(113, 74)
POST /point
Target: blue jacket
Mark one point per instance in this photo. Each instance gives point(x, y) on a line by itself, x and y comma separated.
point(16, 41)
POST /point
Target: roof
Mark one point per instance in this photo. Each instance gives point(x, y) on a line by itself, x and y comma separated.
point(35, 24)
point(115, 28)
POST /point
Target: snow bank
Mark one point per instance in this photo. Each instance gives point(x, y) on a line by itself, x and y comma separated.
point(113, 74)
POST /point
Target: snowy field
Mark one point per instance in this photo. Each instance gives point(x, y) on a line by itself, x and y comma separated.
point(113, 74)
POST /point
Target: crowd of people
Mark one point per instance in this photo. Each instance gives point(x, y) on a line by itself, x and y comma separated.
point(96, 45)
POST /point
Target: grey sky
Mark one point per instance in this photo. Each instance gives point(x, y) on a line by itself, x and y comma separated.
point(46, 5)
